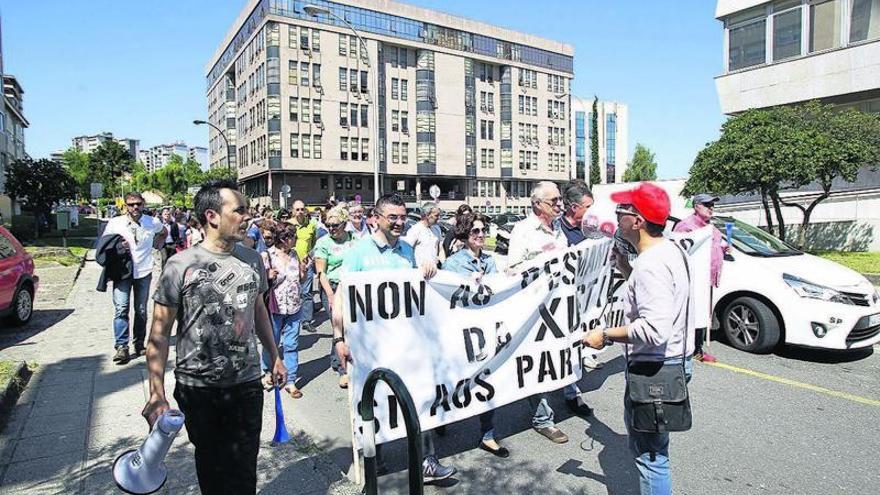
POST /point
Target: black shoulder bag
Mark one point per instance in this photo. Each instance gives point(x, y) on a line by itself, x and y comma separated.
point(658, 393)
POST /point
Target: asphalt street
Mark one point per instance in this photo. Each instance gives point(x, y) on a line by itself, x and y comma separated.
point(794, 422)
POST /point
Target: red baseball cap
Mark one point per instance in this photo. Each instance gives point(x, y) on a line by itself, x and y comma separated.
point(651, 201)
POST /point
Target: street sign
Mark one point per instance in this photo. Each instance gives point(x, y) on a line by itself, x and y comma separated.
point(97, 190)
point(434, 191)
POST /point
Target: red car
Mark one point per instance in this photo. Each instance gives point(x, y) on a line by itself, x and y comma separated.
point(18, 284)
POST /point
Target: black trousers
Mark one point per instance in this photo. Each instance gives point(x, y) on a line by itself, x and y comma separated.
point(224, 426)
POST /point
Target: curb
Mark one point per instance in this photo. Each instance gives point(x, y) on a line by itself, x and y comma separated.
point(9, 395)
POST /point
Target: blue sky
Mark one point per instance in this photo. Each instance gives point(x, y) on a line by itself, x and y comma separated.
point(137, 68)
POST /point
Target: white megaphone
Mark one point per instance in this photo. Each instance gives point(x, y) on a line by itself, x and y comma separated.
point(142, 470)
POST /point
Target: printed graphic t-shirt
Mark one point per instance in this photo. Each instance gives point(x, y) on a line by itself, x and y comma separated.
point(215, 295)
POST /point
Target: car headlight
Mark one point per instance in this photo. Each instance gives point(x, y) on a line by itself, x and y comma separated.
point(814, 291)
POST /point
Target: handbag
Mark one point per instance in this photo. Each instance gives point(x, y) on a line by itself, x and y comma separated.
point(269, 296)
point(658, 392)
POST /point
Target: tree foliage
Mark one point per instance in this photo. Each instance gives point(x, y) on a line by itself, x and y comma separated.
point(39, 184)
point(642, 167)
point(595, 173)
point(78, 165)
point(110, 161)
point(765, 151)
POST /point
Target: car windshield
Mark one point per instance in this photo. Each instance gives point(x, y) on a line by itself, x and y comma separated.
point(754, 241)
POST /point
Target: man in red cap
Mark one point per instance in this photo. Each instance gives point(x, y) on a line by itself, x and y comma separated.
point(656, 306)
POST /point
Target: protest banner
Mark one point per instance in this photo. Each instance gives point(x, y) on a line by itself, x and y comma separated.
point(464, 346)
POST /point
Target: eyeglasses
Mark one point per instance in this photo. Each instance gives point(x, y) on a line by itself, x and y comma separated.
point(708, 205)
point(478, 231)
point(134, 205)
point(393, 218)
point(333, 226)
point(624, 211)
point(552, 201)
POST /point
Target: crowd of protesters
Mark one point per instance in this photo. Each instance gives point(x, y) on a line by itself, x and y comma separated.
point(281, 259)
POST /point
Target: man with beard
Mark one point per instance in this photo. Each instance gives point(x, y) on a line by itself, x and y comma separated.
point(214, 292)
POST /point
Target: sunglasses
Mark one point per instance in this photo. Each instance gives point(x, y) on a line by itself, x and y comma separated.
point(624, 211)
point(134, 205)
point(333, 226)
point(478, 231)
point(394, 218)
point(708, 205)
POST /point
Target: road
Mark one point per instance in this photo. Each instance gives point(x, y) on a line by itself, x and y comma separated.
point(799, 421)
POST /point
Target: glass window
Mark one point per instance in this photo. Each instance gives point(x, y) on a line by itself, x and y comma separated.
point(395, 88)
point(306, 106)
point(343, 148)
point(316, 111)
point(364, 115)
point(304, 73)
point(292, 76)
point(404, 122)
point(343, 44)
point(343, 114)
point(404, 153)
point(363, 81)
point(316, 43)
point(365, 149)
point(316, 75)
point(404, 89)
point(747, 45)
point(354, 115)
point(274, 144)
point(343, 75)
point(273, 107)
point(825, 25)
point(395, 152)
point(293, 109)
point(864, 20)
point(306, 146)
point(395, 121)
point(316, 142)
point(787, 34)
point(353, 148)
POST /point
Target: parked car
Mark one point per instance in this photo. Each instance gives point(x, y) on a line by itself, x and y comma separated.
point(506, 218)
point(18, 284)
point(771, 293)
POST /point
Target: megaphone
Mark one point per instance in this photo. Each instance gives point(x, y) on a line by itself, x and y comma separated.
point(281, 435)
point(143, 470)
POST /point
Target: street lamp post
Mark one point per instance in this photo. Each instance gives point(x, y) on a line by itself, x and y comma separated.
point(223, 135)
point(315, 11)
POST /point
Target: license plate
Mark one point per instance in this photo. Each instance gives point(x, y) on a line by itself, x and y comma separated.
point(874, 320)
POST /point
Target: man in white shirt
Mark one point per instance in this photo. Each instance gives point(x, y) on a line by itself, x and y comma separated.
point(141, 233)
point(425, 236)
point(539, 233)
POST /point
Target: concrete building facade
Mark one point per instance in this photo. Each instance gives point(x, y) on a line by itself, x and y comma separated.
point(199, 154)
point(158, 156)
point(12, 126)
point(613, 139)
point(480, 111)
point(789, 51)
point(89, 143)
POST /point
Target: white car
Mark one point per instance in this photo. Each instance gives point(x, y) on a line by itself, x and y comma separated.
point(771, 293)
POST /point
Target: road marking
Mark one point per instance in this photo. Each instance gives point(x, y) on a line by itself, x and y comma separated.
point(793, 383)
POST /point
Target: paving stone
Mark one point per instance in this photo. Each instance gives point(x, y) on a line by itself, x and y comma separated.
point(56, 423)
point(41, 475)
point(50, 445)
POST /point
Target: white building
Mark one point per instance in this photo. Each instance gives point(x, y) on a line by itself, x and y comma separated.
point(199, 154)
point(158, 156)
point(783, 52)
point(613, 136)
point(89, 143)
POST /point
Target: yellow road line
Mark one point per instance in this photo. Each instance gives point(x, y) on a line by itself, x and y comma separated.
point(793, 383)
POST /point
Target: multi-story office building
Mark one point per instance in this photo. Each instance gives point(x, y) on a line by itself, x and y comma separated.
point(480, 111)
point(789, 51)
point(88, 144)
point(12, 126)
point(158, 156)
point(613, 139)
point(199, 154)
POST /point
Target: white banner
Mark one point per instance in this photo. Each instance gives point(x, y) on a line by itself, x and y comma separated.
point(698, 245)
point(464, 346)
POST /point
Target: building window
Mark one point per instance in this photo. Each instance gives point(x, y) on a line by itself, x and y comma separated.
point(864, 20)
point(610, 139)
point(787, 33)
point(364, 115)
point(291, 36)
point(491, 131)
point(358, 184)
point(316, 75)
point(364, 82)
point(825, 25)
point(293, 108)
point(316, 143)
point(306, 146)
point(316, 111)
point(395, 88)
point(316, 41)
point(294, 145)
point(404, 122)
point(482, 129)
point(306, 104)
point(348, 182)
point(343, 79)
point(395, 152)
point(353, 113)
point(404, 153)
point(324, 182)
point(343, 148)
point(747, 40)
point(352, 80)
point(353, 146)
point(343, 114)
point(292, 77)
point(404, 88)
point(343, 44)
point(395, 121)
point(304, 73)
point(274, 144)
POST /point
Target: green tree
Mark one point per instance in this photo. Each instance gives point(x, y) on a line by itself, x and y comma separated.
point(171, 178)
point(219, 173)
point(79, 166)
point(642, 167)
point(764, 151)
point(39, 185)
point(111, 163)
point(595, 173)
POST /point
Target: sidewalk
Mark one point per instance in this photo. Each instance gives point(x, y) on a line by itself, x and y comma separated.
point(80, 411)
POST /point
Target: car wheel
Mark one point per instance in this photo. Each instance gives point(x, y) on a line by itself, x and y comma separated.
point(750, 325)
point(22, 307)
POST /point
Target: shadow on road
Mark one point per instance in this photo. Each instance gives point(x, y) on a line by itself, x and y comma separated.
point(825, 356)
point(43, 319)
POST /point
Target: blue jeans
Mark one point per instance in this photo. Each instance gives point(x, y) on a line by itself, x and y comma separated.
point(544, 415)
point(487, 425)
point(121, 298)
point(287, 327)
point(651, 450)
point(308, 302)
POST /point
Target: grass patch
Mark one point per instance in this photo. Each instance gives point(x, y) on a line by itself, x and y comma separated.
point(49, 256)
point(7, 372)
point(865, 262)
